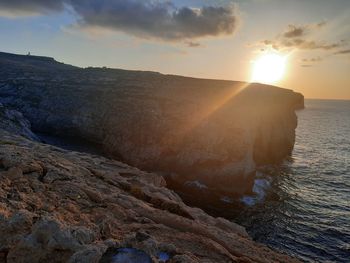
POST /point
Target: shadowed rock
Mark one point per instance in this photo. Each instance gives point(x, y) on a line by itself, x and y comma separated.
point(207, 130)
point(14, 122)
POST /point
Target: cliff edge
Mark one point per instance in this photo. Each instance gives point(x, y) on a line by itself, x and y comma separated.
point(212, 131)
point(62, 206)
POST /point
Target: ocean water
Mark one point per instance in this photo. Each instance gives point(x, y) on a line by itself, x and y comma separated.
point(302, 207)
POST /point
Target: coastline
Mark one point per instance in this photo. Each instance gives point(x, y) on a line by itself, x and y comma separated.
point(135, 118)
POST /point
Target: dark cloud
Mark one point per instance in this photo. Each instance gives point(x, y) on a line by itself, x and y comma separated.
point(29, 7)
point(299, 31)
point(294, 31)
point(342, 52)
point(159, 19)
point(156, 19)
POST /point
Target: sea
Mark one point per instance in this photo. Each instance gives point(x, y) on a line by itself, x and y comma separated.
point(302, 206)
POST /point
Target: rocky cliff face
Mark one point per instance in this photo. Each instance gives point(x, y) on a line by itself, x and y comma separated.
point(63, 206)
point(14, 122)
point(189, 129)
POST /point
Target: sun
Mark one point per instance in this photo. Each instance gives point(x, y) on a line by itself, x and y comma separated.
point(269, 68)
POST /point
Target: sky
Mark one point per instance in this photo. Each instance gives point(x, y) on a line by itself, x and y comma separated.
point(199, 38)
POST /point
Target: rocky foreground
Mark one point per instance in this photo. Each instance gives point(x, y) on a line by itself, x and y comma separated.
point(65, 206)
point(61, 206)
point(215, 132)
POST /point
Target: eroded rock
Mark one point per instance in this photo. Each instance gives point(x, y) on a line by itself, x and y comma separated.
point(90, 206)
point(13, 121)
point(207, 130)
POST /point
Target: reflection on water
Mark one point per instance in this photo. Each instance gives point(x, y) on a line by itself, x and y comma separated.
point(306, 211)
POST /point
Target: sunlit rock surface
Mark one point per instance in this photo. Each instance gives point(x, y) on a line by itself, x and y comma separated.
point(188, 129)
point(64, 206)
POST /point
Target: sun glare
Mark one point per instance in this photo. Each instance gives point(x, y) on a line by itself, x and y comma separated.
point(269, 68)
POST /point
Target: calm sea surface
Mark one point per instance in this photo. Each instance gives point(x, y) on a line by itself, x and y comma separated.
point(305, 209)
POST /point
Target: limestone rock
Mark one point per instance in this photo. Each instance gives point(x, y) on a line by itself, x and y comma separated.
point(93, 205)
point(208, 130)
point(13, 121)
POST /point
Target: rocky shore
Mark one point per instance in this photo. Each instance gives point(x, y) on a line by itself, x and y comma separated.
point(65, 206)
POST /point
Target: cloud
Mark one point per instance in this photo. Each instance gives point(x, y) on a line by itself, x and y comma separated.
point(312, 60)
point(149, 19)
point(156, 19)
point(307, 44)
point(301, 37)
point(342, 52)
point(294, 31)
point(13, 8)
point(299, 31)
point(193, 44)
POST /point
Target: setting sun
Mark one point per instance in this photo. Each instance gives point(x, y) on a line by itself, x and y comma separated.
point(174, 131)
point(269, 68)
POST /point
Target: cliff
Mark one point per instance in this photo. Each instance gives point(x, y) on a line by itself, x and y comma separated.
point(14, 122)
point(187, 129)
point(63, 206)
